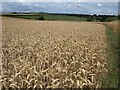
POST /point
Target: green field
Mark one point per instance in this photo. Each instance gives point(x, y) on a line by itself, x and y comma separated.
point(66, 17)
point(50, 17)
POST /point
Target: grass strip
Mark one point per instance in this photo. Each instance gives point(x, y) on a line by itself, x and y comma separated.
point(111, 79)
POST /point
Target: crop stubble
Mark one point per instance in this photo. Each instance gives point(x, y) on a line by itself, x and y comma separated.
point(52, 54)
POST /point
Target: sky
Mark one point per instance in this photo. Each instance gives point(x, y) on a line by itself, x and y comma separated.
point(60, 0)
point(62, 6)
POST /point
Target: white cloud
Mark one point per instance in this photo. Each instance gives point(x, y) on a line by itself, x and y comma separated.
point(78, 5)
point(69, 5)
point(43, 6)
point(99, 4)
point(60, 0)
point(26, 3)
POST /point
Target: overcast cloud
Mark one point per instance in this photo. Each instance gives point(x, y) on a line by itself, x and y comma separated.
point(60, 0)
point(62, 7)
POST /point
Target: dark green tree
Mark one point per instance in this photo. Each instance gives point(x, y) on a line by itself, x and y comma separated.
point(41, 18)
point(89, 19)
point(103, 19)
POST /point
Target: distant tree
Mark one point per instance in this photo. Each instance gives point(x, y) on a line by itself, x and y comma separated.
point(89, 19)
point(98, 18)
point(118, 16)
point(103, 19)
point(41, 18)
point(95, 15)
point(14, 12)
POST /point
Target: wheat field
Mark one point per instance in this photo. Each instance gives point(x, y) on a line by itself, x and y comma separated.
point(114, 25)
point(52, 54)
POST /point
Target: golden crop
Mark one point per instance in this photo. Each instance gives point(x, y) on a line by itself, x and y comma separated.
point(114, 26)
point(52, 54)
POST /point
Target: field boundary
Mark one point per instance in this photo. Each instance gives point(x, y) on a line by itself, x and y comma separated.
point(0, 49)
point(111, 80)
